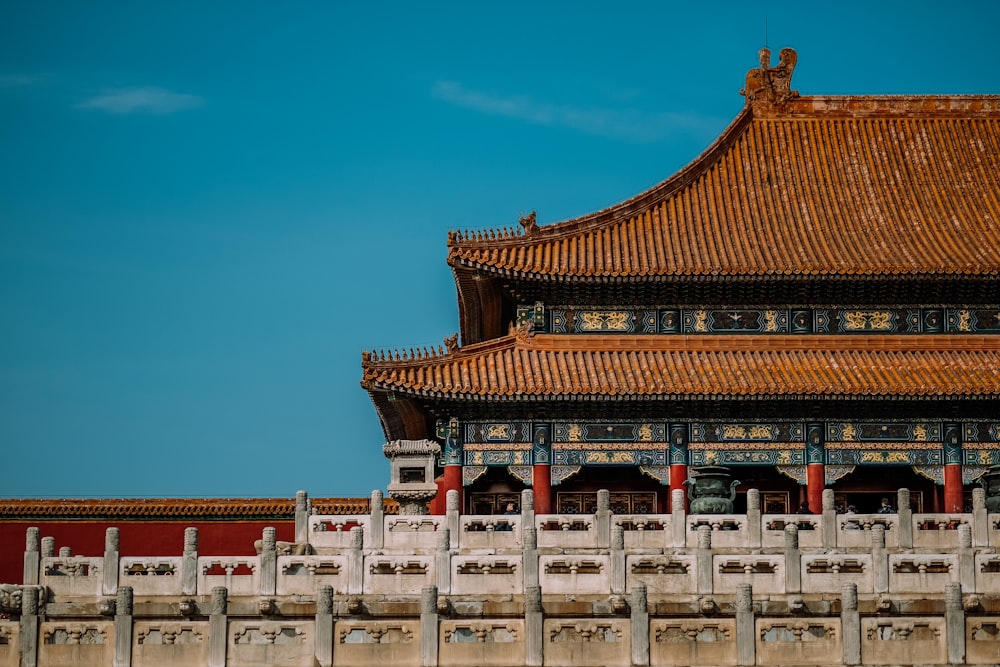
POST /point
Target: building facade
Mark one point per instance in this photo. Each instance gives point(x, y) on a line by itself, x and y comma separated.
point(809, 308)
point(813, 302)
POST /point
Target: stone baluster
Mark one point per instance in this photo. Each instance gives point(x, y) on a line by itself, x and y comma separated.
point(980, 518)
point(428, 626)
point(793, 557)
point(617, 560)
point(356, 562)
point(123, 627)
point(442, 561)
point(754, 525)
point(267, 584)
point(880, 560)
point(112, 560)
point(954, 619)
point(746, 634)
point(966, 558)
point(527, 510)
point(32, 559)
point(324, 626)
point(704, 560)
point(534, 627)
point(377, 528)
point(218, 628)
point(678, 519)
point(65, 552)
point(189, 562)
point(602, 519)
point(29, 626)
point(831, 531)
point(640, 625)
point(905, 516)
point(453, 519)
point(302, 511)
point(529, 557)
point(850, 623)
point(48, 547)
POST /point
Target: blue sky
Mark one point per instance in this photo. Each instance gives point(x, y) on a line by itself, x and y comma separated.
point(209, 210)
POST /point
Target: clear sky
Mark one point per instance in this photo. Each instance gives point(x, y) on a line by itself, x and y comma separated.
point(208, 210)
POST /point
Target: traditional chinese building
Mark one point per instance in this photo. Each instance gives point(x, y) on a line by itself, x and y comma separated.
point(813, 301)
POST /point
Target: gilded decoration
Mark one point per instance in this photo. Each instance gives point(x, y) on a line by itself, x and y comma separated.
point(867, 320)
point(521, 473)
point(471, 473)
point(752, 446)
point(588, 455)
point(565, 319)
point(770, 321)
point(798, 473)
point(933, 473)
point(498, 432)
point(614, 320)
point(729, 432)
point(881, 432)
point(485, 454)
point(834, 473)
point(746, 455)
point(560, 473)
point(659, 473)
point(605, 432)
point(971, 473)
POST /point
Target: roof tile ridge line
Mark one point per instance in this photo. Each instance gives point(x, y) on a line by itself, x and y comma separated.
point(630, 206)
point(802, 100)
point(462, 352)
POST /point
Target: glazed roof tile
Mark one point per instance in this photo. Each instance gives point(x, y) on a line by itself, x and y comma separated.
point(849, 186)
point(547, 366)
point(176, 508)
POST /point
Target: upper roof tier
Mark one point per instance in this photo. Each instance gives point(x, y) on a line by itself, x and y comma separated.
point(796, 186)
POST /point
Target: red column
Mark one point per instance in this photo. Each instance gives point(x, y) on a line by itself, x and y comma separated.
point(815, 483)
point(541, 483)
point(678, 475)
point(453, 481)
point(953, 500)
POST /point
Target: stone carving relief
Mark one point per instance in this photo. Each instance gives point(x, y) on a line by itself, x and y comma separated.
point(170, 633)
point(481, 633)
point(377, 633)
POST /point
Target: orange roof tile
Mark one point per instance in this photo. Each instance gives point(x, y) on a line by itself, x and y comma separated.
point(849, 186)
point(547, 366)
point(176, 508)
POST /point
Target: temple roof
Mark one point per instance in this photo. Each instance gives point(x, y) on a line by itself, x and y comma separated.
point(816, 186)
point(551, 366)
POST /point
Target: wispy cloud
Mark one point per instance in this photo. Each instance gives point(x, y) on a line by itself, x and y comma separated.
point(20, 80)
point(145, 100)
point(626, 123)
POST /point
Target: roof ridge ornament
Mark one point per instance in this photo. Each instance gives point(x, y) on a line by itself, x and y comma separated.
point(530, 224)
point(769, 87)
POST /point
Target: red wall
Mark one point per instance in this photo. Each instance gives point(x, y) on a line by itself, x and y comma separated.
point(137, 538)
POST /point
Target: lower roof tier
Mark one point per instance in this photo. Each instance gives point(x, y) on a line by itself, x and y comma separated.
point(534, 370)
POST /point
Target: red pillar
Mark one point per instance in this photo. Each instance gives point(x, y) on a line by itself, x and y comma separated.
point(453, 481)
point(678, 475)
point(815, 483)
point(541, 483)
point(437, 506)
point(953, 500)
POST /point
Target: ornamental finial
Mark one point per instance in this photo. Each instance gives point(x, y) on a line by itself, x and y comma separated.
point(768, 86)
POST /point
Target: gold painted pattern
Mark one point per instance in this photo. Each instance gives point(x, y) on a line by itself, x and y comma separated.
point(883, 445)
point(495, 446)
point(605, 446)
point(734, 446)
point(497, 431)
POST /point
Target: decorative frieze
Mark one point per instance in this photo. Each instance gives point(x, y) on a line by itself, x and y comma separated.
point(687, 321)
